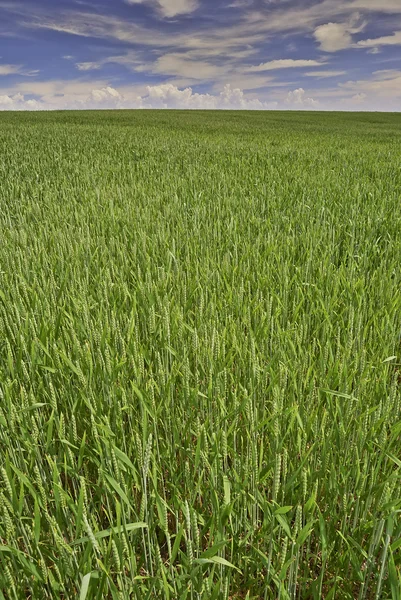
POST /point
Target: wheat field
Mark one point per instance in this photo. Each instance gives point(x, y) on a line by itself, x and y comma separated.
point(200, 321)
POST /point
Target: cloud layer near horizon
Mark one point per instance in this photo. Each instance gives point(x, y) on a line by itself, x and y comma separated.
point(229, 54)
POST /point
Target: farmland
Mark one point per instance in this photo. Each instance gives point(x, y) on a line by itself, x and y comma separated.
point(200, 321)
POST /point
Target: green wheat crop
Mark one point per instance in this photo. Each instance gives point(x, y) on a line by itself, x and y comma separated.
point(200, 320)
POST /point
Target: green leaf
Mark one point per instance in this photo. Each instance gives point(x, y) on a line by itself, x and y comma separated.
point(323, 535)
point(177, 543)
point(339, 394)
point(217, 560)
point(46, 368)
point(210, 552)
point(85, 586)
point(282, 510)
point(227, 490)
point(310, 503)
point(106, 532)
point(389, 359)
point(216, 591)
point(284, 524)
point(394, 459)
point(117, 488)
point(304, 533)
point(395, 581)
point(36, 527)
point(69, 362)
point(34, 406)
point(124, 459)
point(395, 545)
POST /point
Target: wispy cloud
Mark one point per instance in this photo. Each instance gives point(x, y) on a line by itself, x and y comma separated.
point(383, 85)
point(6, 70)
point(131, 60)
point(324, 74)
point(170, 8)
point(387, 40)
point(183, 66)
point(383, 6)
point(10, 69)
point(286, 63)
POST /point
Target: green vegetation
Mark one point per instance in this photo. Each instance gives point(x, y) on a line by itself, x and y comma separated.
point(200, 320)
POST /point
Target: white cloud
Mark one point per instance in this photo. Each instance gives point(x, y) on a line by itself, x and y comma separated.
point(298, 99)
point(16, 70)
point(241, 29)
point(386, 6)
point(129, 60)
point(6, 103)
point(88, 66)
point(333, 37)
point(239, 4)
point(185, 69)
point(387, 40)
point(169, 96)
point(384, 86)
point(247, 81)
point(159, 96)
point(171, 8)
point(106, 97)
point(380, 92)
point(94, 25)
point(18, 102)
point(10, 69)
point(286, 63)
point(324, 74)
point(57, 88)
point(358, 98)
point(177, 64)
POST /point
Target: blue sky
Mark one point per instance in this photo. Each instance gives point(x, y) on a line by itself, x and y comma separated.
point(284, 54)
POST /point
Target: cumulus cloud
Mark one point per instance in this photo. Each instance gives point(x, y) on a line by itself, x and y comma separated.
point(298, 99)
point(6, 103)
point(333, 37)
point(106, 97)
point(159, 96)
point(169, 96)
point(18, 102)
point(381, 92)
